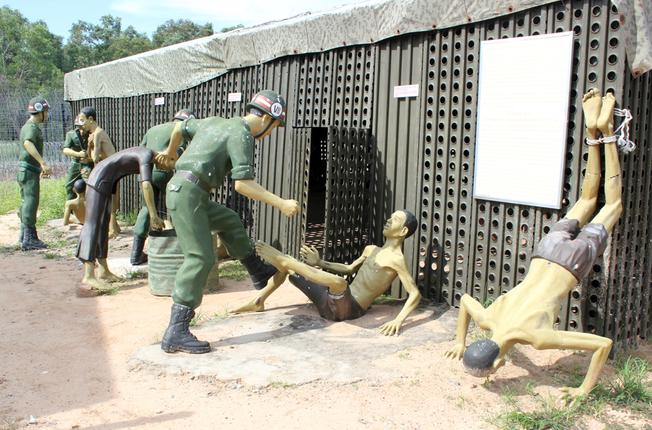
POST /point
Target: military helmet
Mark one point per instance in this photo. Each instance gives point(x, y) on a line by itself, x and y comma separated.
point(37, 104)
point(184, 114)
point(271, 103)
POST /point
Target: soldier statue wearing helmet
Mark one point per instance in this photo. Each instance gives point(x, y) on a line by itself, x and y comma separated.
point(76, 147)
point(219, 147)
point(31, 167)
point(157, 139)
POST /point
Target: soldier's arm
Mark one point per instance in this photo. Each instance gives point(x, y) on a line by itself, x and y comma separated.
point(31, 150)
point(312, 257)
point(68, 151)
point(251, 189)
point(414, 297)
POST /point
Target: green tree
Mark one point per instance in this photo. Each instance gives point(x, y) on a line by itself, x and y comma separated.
point(91, 44)
point(233, 27)
point(181, 30)
point(31, 55)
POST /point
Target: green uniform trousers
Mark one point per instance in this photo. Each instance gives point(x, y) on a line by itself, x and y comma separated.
point(160, 179)
point(194, 217)
point(30, 188)
point(74, 173)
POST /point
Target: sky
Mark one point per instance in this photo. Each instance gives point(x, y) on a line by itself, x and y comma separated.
point(146, 15)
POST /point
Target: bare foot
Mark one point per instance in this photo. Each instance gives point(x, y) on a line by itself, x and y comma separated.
point(256, 305)
point(94, 284)
point(606, 119)
point(105, 274)
point(114, 228)
point(271, 255)
point(591, 103)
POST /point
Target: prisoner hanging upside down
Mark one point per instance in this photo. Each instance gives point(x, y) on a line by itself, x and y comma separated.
point(526, 314)
point(335, 299)
point(102, 184)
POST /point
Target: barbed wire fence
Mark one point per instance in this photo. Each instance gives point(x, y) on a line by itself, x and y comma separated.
point(13, 115)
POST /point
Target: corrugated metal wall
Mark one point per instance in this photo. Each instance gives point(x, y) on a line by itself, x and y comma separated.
point(418, 155)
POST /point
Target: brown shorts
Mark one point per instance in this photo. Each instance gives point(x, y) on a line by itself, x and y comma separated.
point(573, 248)
point(335, 308)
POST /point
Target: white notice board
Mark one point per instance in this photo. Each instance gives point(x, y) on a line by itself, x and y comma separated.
point(523, 94)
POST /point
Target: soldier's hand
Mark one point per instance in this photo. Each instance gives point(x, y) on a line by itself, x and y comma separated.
point(310, 255)
point(45, 170)
point(156, 223)
point(290, 207)
point(82, 154)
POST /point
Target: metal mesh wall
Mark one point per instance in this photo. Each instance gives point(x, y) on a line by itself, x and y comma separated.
point(480, 247)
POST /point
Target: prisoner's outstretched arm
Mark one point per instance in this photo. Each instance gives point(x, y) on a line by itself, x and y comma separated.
point(414, 297)
point(251, 189)
point(554, 339)
point(148, 194)
point(469, 309)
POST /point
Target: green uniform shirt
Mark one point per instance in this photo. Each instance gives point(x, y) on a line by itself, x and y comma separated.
point(219, 146)
point(74, 142)
point(157, 138)
point(31, 132)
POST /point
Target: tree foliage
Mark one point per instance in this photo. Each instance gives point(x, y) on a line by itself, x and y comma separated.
point(35, 59)
point(181, 30)
point(31, 55)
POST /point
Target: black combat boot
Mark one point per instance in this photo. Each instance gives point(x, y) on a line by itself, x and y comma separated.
point(259, 271)
point(177, 337)
point(138, 257)
point(31, 240)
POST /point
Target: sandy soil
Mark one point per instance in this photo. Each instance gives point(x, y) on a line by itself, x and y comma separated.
point(67, 362)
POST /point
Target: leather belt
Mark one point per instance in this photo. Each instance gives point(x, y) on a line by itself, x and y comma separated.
point(190, 177)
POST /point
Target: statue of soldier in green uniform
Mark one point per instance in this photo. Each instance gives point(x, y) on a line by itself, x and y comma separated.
point(31, 167)
point(157, 139)
point(219, 146)
point(76, 147)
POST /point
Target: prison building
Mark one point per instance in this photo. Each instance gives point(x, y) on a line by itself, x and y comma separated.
point(352, 153)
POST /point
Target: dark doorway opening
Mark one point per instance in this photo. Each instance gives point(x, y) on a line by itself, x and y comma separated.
point(316, 213)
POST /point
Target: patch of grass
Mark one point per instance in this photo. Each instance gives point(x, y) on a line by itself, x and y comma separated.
point(112, 291)
point(234, 271)
point(127, 218)
point(50, 255)
point(52, 200)
point(221, 315)
point(549, 417)
point(197, 319)
point(9, 248)
point(280, 384)
point(136, 274)
point(9, 196)
point(629, 387)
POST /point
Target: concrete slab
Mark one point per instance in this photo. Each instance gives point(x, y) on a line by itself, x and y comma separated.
point(293, 345)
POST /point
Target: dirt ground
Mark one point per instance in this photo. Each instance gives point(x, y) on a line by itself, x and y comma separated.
point(68, 362)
